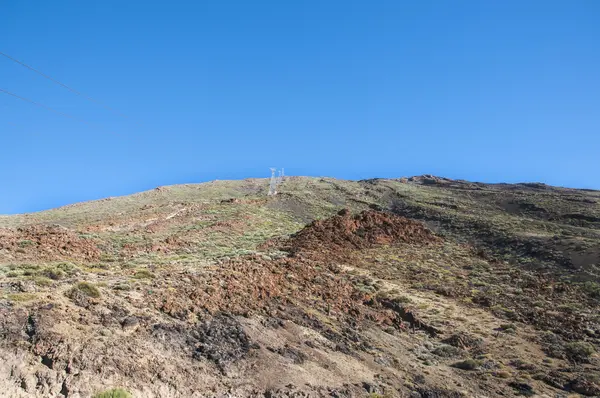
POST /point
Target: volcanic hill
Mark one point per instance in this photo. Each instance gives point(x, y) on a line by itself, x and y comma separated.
point(420, 287)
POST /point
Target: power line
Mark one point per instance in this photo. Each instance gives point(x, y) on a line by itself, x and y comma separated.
point(64, 85)
point(45, 107)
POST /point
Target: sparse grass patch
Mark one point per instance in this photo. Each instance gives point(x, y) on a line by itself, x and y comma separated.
point(114, 393)
point(579, 351)
point(21, 297)
point(26, 243)
point(87, 289)
point(591, 288)
point(102, 266)
point(107, 258)
point(52, 273)
point(41, 274)
point(447, 351)
point(402, 299)
point(42, 281)
point(502, 374)
point(122, 286)
point(143, 274)
point(523, 365)
point(510, 328)
point(28, 267)
point(468, 364)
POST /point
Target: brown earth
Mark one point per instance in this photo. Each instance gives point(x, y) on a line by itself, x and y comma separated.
point(420, 287)
point(345, 232)
point(40, 242)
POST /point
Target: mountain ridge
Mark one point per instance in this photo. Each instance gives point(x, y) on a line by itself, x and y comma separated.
point(415, 178)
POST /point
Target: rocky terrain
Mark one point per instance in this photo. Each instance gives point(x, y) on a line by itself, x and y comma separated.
point(419, 287)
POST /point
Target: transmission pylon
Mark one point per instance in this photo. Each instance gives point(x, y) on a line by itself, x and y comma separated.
point(273, 184)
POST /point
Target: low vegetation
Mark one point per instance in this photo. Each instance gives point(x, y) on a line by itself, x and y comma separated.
point(85, 288)
point(467, 364)
point(114, 393)
point(439, 287)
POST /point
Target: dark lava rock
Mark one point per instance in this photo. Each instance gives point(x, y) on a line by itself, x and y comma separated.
point(130, 322)
point(296, 356)
point(221, 340)
point(585, 385)
point(522, 388)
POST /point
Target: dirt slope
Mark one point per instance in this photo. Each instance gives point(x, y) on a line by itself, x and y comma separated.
point(420, 287)
point(343, 233)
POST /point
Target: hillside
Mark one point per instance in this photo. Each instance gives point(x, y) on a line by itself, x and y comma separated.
point(420, 287)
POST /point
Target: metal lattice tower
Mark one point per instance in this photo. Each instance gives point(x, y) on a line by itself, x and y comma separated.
point(276, 179)
point(273, 184)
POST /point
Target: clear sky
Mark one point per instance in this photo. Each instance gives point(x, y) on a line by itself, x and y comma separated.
point(482, 90)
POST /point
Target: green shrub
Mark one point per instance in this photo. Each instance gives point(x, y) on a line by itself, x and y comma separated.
point(67, 268)
point(502, 374)
point(447, 351)
point(114, 393)
point(21, 296)
point(25, 243)
point(508, 328)
point(88, 289)
point(591, 288)
point(42, 281)
point(143, 274)
point(579, 351)
point(122, 286)
point(52, 273)
point(468, 364)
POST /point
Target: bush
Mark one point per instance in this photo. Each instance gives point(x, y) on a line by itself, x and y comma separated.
point(42, 281)
point(523, 365)
point(114, 393)
point(464, 341)
point(579, 351)
point(502, 374)
point(143, 274)
point(52, 273)
point(508, 328)
point(468, 364)
point(122, 286)
point(25, 243)
point(447, 351)
point(20, 297)
point(591, 288)
point(88, 289)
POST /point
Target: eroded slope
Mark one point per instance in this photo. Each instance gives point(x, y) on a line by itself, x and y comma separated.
point(214, 289)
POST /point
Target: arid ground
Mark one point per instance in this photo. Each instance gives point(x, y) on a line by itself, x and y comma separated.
point(420, 287)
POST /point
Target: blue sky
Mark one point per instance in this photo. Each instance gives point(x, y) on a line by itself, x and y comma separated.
point(481, 90)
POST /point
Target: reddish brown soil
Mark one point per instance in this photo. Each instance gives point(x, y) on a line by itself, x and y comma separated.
point(47, 243)
point(345, 232)
point(274, 287)
point(255, 284)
